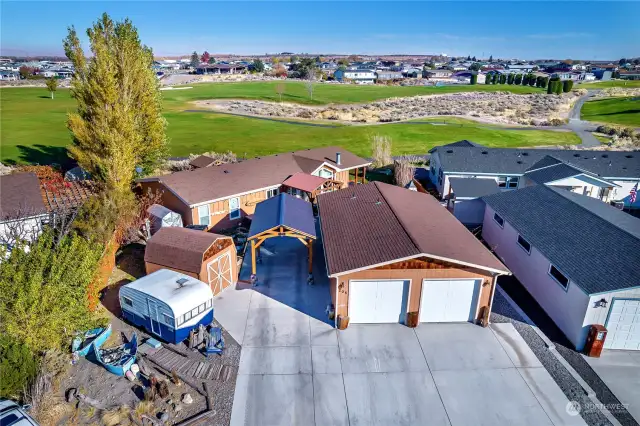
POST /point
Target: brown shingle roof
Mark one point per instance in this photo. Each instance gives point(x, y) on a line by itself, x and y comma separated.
point(377, 223)
point(179, 248)
point(20, 196)
point(212, 183)
point(304, 181)
point(201, 161)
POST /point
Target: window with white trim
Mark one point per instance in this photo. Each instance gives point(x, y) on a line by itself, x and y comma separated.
point(194, 312)
point(510, 182)
point(558, 276)
point(498, 219)
point(272, 192)
point(526, 245)
point(187, 316)
point(209, 302)
point(234, 208)
point(325, 173)
point(203, 215)
point(201, 308)
point(127, 301)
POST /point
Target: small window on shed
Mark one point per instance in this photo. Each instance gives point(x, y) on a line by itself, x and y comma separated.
point(524, 244)
point(559, 277)
point(127, 301)
point(498, 219)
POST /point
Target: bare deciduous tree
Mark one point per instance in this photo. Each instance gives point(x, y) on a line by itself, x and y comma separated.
point(404, 170)
point(381, 151)
point(309, 85)
point(280, 90)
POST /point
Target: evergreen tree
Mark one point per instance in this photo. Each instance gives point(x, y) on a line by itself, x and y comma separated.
point(488, 79)
point(503, 78)
point(491, 58)
point(195, 59)
point(517, 80)
point(474, 78)
point(510, 78)
point(525, 80)
point(532, 80)
point(118, 125)
point(567, 85)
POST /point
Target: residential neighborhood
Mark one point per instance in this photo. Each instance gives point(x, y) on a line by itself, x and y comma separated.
point(316, 227)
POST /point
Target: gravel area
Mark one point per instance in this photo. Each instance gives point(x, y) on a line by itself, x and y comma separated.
point(503, 312)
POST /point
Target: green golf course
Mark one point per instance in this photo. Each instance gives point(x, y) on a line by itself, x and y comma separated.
point(33, 126)
point(623, 111)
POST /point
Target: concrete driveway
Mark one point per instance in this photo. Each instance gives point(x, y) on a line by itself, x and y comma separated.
point(620, 371)
point(296, 369)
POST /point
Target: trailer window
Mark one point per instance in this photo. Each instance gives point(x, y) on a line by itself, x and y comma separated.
point(209, 303)
point(194, 312)
point(168, 319)
point(201, 308)
point(127, 301)
point(187, 316)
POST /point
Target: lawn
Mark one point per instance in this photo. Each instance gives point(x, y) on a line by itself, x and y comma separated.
point(33, 129)
point(610, 83)
point(624, 111)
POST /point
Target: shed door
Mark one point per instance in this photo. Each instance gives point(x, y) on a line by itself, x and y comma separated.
point(378, 301)
point(220, 273)
point(623, 325)
point(449, 300)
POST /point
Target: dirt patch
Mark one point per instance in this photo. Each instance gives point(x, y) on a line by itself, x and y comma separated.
point(494, 107)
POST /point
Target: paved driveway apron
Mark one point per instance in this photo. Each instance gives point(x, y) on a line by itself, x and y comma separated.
point(297, 370)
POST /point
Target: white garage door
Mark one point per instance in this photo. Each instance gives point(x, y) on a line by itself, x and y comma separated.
point(449, 300)
point(623, 325)
point(378, 301)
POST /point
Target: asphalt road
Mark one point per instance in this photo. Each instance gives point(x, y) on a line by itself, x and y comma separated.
point(580, 127)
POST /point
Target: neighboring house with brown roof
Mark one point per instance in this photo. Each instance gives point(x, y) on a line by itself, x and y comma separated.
point(209, 257)
point(219, 196)
point(22, 209)
point(391, 251)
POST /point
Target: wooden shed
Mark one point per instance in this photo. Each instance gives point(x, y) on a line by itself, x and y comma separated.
point(209, 257)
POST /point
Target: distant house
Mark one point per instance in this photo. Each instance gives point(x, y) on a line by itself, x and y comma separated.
point(388, 75)
point(520, 67)
point(608, 176)
point(603, 75)
point(220, 68)
point(576, 256)
point(465, 198)
point(630, 75)
point(358, 76)
point(433, 74)
point(9, 76)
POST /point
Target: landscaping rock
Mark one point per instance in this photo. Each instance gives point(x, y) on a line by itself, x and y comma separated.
point(186, 399)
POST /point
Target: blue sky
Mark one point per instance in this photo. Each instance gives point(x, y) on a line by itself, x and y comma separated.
point(577, 30)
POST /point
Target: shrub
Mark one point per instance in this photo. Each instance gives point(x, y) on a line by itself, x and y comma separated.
point(510, 78)
point(488, 79)
point(558, 87)
point(517, 79)
point(553, 86)
point(495, 78)
point(18, 367)
point(525, 79)
point(474, 78)
point(44, 290)
point(532, 80)
point(567, 85)
point(503, 79)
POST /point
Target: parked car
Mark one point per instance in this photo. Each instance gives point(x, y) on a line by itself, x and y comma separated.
point(12, 414)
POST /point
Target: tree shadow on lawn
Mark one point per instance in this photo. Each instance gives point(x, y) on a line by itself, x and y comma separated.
point(44, 155)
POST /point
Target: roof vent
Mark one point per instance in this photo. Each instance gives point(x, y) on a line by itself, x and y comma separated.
point(227, 172)
point(484, 152)
point(524, 154)
point(605, 156)
point(519, 162)
point(182, 281)
point(378, 202)
point(449, 151)
point(338, 158)
point(629, 156)
point(576, 155)
point(353, 195)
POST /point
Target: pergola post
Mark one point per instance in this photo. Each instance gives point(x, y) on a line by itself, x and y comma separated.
point(253, 257)
point(310, 246)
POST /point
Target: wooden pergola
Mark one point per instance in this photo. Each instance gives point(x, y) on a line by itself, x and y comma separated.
point(282, 216)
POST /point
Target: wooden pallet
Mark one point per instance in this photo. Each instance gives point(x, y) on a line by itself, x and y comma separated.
point(203, 370)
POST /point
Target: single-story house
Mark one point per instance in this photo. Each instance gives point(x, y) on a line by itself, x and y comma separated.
point(630, 75)
point(397, 256)
point(464, 200)
point(209, 257)
point(22, 209)
point(220, 68)
point(576, 256)
point(606, 175)
point(388, 75)
point(220, 196)
point(429, 74)
point(359, 76)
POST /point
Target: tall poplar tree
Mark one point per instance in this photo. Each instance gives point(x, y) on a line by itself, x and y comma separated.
point(118, 125)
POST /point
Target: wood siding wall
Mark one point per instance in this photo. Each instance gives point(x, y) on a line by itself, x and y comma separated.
point(219, 210)
point(416, 272)
point(343, 177)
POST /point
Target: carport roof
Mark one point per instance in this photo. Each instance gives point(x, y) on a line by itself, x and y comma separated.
point(375, 224)
point(283, 210)
point(304, 182)
point(180, 248)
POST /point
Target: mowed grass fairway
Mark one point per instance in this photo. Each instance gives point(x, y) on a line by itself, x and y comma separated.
point(624, 111)
point(610, 83)
point(33, 127)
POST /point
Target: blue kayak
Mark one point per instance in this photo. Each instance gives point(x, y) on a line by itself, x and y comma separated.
point(82, 343)
point(119, 359)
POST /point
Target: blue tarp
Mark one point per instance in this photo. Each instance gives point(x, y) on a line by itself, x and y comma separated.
point(283, 210)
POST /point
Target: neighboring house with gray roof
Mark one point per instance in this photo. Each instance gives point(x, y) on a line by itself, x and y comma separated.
point(577, 256)
point(465, 199)
point(606, 175)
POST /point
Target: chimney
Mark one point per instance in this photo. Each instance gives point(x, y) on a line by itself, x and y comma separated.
point(338, 158)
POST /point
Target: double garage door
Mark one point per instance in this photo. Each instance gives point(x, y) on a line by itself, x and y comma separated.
point(623, 325)
point(385, 301)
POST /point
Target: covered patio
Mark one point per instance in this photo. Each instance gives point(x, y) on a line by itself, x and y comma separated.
point(282, 216)
point(308, 187)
